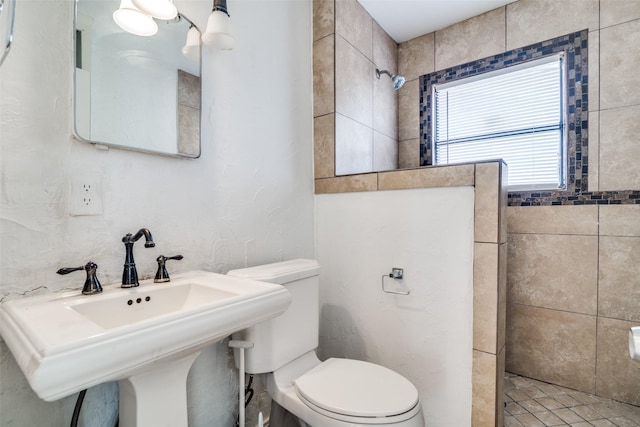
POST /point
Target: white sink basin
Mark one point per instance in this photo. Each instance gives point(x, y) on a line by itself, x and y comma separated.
point(67, 342)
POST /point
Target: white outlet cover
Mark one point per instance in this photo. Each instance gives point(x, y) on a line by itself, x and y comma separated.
point(85, 197)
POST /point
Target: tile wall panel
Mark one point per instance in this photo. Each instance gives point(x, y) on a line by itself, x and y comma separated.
point(323, 76)
point(354, 24)
point(553, 219)
point(620, 54)
point(618, 375)
point(614, 12)
point(475, 38)
point(354, 146)
point(623, 220)
point(619, 129)
point(530, 21)
point(553, 271)
point(323, 18)
point(354, 80)
point(552, 346)
point(619, 278)
point(324, 146)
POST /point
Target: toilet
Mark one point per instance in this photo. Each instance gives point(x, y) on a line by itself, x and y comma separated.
point(334, 393)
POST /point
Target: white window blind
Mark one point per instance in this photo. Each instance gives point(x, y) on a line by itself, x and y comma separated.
point(516, 114)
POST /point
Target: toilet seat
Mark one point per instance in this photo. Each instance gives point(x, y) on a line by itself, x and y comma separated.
point(355, 390)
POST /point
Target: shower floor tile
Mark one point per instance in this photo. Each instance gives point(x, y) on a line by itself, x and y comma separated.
point(533, 403)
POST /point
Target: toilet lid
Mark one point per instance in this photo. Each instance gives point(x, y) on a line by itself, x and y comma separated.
point(357, 388)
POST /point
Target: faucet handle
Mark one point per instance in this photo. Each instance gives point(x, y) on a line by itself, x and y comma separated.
point(91, 284)
point(162, 275)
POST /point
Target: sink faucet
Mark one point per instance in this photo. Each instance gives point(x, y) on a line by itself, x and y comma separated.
point(130, 274)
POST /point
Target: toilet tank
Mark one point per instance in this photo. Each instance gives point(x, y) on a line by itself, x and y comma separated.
point(278, 341)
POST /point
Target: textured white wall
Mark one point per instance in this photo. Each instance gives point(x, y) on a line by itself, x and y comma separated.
point(427, 335)
point(247, 200)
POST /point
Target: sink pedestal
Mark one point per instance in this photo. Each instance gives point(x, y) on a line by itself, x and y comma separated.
point(157, 397)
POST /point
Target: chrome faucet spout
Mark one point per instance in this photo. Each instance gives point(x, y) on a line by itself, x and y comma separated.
point(130, 273)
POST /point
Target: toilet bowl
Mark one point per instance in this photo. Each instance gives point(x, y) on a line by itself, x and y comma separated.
point(332, 393)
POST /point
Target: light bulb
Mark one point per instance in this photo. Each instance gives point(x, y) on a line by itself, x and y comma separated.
point(161, 9)
point(192, 48)
point(133, 20)
point(218, 33)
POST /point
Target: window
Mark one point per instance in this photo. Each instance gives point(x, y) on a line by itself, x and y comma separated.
point(516, 113)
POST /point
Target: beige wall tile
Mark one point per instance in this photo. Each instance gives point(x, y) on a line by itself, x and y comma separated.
point(354, 80)
point(594, 71)
point(324, 146)
point(619, 130)
point(594, 151)
point(323, 76)
point(620, 220)
point(619, 278)
point(485, 297)
point(385, 99)
point(323, 18)
point(500, 388)
point(553, 271)
point(487, 202)
point(385, 104)
point(553, 346)
point(385, 50)
point(503, 268)
point(416, 57)
point(355, 25)
point(188, 90)
point(475, 38)
point(614, 12)
point(385, 108)
point(347, 184)
point(483, 412)
point(441, 176)
point(618, 377)
point(385, 152)
point(354, 146)
point(565, 219)
point(533, 21)
point(409, 111)
point(188, 130)
point(409, 153)
point(619, 63)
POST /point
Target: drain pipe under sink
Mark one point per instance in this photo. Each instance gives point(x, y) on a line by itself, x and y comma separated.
point(241, 346)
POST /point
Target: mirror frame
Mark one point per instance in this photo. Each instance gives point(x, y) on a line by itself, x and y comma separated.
point(77, 135)
point(8, 9)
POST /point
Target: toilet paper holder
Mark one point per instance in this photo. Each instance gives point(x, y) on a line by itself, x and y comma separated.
point(395, 277)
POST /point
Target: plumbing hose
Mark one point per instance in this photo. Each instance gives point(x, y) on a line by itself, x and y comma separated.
point(76, 410)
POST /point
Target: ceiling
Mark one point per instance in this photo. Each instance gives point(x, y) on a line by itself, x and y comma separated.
point(406, 19)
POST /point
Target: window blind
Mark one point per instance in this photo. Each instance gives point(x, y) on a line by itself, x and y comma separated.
point(516, 114)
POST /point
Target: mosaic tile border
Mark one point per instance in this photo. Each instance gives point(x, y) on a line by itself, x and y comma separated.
point(575, 46)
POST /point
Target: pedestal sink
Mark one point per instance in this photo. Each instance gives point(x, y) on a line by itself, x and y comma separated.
point(146, 338)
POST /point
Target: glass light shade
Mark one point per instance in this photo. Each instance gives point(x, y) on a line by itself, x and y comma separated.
point(192, 49)
point(161, 9)
point(218, 33)
point(134, 21)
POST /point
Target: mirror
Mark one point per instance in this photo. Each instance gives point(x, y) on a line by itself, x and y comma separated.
point(135, 92)
point(7, 11)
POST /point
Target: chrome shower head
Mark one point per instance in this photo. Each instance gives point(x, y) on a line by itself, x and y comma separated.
point(396, 79)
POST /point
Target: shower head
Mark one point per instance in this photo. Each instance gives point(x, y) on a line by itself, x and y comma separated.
point(396, 79)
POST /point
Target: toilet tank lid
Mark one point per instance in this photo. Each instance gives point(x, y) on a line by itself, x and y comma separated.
point(280, 272)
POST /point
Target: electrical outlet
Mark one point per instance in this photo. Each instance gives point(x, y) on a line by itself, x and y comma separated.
point(86, 196)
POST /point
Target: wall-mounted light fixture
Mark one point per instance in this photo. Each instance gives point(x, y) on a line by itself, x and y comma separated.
point(192, 48)
point(133, 20)
point(161, 9)
point(136, 17)
point(218, 32)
